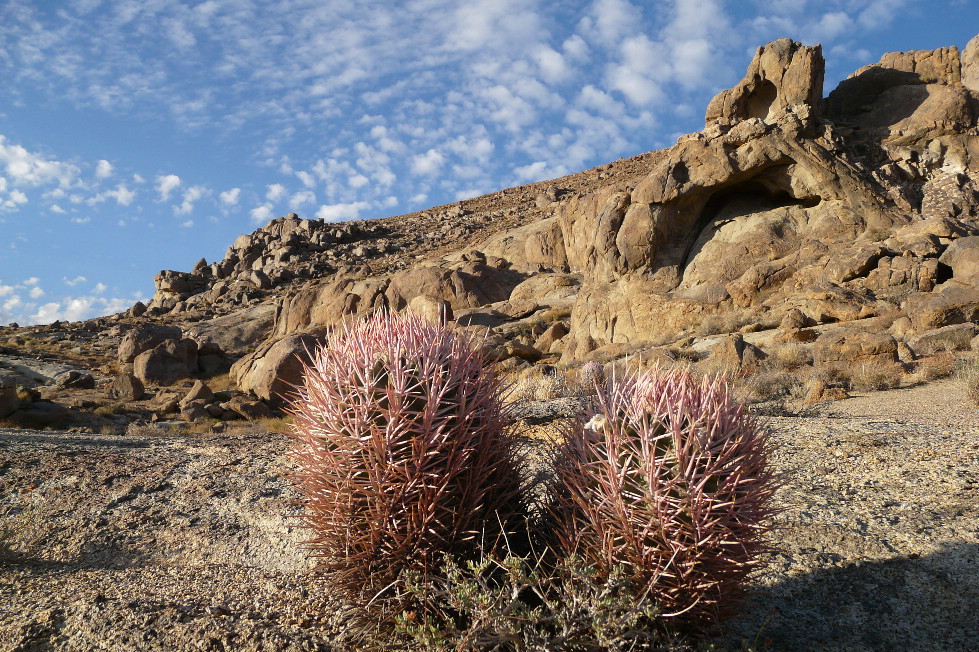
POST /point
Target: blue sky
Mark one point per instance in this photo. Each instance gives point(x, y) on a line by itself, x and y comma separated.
point(139, 135)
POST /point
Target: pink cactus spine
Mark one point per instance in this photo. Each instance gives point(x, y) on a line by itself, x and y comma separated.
point(671, 480)
point(401, 452)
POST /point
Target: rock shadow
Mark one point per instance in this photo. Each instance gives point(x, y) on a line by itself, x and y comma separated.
point(907, 603)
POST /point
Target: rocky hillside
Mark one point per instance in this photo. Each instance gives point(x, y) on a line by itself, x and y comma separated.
point(827, 233)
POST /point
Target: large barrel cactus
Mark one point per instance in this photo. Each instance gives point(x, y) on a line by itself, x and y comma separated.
point(402, 455)
point(669, 481)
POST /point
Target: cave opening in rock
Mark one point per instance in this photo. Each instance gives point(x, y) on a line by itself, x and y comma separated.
point(765, 192)
point(761, 101)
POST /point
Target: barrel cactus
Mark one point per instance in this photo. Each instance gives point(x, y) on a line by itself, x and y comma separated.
point(402, 455)
point(669, 480)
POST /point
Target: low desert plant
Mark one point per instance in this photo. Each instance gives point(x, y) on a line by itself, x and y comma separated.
point(877, 376)
point(968, 374)
point(670, 481)
point(522, 603)
point(940, 365)
point(403, 458)
point(18, 529)
point(790, 355)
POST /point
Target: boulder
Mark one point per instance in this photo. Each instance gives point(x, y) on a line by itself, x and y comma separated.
point(432, 309)
point(734, 353)
point(970, 65)
point(963, 257)
point(126, 387)
point(953, 305)
point(275, 369)
point(198, 392)
point(143, 338)
point(74, 379)
point(247, 408)
point(193, 411)
point(167, 362)
point(40, 415)
point(782, 74)
point(845, 346)
point(550, 337)
point(234, 332)
point(8, 399)
point(957, 337)
point(469, 285)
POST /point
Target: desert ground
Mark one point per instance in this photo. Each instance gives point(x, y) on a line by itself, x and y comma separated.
point(160, 542)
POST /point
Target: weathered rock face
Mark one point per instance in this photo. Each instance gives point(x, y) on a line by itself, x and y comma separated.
point(274, 370)
point(789, 208)
point(782, 75)
point(144, 337)
point(769, 212)
point(167, 362)
point(8, 399)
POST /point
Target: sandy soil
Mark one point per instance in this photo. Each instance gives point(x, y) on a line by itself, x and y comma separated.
point(186, 543)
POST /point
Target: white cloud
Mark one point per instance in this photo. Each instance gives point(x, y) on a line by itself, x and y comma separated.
point(190, 197)
point(307, 179)
point(261, 214)
point(36, 293)
point(428, 163)
point(275, 192)
point(78, 309)
point(230, 197)
point(103, 169)
point(166, 184)
point(30, 169)
point(75, 281)
point(611, 20)
point(32, 281)
point(336, 212)
point(302, 198)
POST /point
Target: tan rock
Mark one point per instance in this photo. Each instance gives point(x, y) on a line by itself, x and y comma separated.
point(167, 363)
point(954, 305)
point(970, 65)
point(433, 309)
point(144, 337)
point(854, 347)
point(198, 392)
point(126, 387)
point(734, 354)
point(782, 74)
point(957, 337)
point(963, 257)
point(275, 369)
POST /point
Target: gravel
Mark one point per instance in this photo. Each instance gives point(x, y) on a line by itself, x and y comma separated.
point(187, 543)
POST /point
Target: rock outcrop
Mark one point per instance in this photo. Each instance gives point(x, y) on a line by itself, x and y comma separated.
point(787, 208)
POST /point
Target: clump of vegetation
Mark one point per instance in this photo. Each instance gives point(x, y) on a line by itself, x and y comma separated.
point(669, 480)
point(403, 459)
point(877, 376)
point(968, 375)
point(655, 512)
point(940, 365)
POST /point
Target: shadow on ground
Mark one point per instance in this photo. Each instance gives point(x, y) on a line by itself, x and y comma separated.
point(925, 603)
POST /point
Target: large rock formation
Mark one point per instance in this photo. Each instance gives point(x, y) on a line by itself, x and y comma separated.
point(787, 208)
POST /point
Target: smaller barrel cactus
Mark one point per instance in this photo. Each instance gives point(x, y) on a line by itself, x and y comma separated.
point(402, 454)
point(668, 479)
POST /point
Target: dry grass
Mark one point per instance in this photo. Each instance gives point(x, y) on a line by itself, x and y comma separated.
point(790, 355)
point(940, 365)
point(877, 376)
point(968, 375)
point(729, 321)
